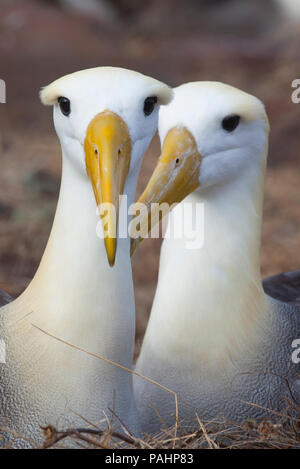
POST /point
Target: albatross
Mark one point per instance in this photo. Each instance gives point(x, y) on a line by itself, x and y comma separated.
point(82, 292)
point(214, 337)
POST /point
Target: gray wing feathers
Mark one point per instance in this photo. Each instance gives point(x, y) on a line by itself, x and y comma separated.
point(284, 287)
point(4, 298)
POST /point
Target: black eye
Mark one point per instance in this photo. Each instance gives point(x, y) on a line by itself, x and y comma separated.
point(149, 105)
point(65, 105)
point(230, 123)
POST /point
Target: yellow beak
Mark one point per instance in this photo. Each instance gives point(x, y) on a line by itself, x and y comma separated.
point(107, 156)
point(176, 175)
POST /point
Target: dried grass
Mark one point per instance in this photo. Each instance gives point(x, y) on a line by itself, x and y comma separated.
point(281, 434)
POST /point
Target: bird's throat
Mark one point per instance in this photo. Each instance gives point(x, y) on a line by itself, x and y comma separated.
point(209, 301)
point(75, 294)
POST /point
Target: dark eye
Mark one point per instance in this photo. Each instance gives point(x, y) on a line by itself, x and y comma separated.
point(65, 105)
point(149, 105)
point(230, 123)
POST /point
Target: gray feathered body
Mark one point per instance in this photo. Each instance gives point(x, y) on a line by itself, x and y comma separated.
point(260, 384)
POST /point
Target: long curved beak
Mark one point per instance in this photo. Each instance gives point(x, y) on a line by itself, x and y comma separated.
point(107, 156)
point(176, 175)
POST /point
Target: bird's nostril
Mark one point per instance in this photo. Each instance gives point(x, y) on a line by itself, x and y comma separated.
point(177, 160)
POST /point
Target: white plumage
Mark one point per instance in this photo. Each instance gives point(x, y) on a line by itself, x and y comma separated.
point(213, 336)
point(75, 294)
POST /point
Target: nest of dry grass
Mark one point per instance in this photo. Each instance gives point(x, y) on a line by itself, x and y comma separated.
point(281, 433)
point(284, 433)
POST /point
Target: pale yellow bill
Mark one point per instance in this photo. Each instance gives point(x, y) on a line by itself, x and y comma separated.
point(176, 175)
point(107, 155)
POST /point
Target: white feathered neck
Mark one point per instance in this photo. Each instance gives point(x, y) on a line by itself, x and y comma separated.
point(77, 297)
point(209, 302)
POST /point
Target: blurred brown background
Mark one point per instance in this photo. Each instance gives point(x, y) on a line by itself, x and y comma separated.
point(252, 44)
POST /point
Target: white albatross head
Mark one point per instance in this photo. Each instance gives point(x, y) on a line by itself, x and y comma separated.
point(210, 133)
point(105, 119)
